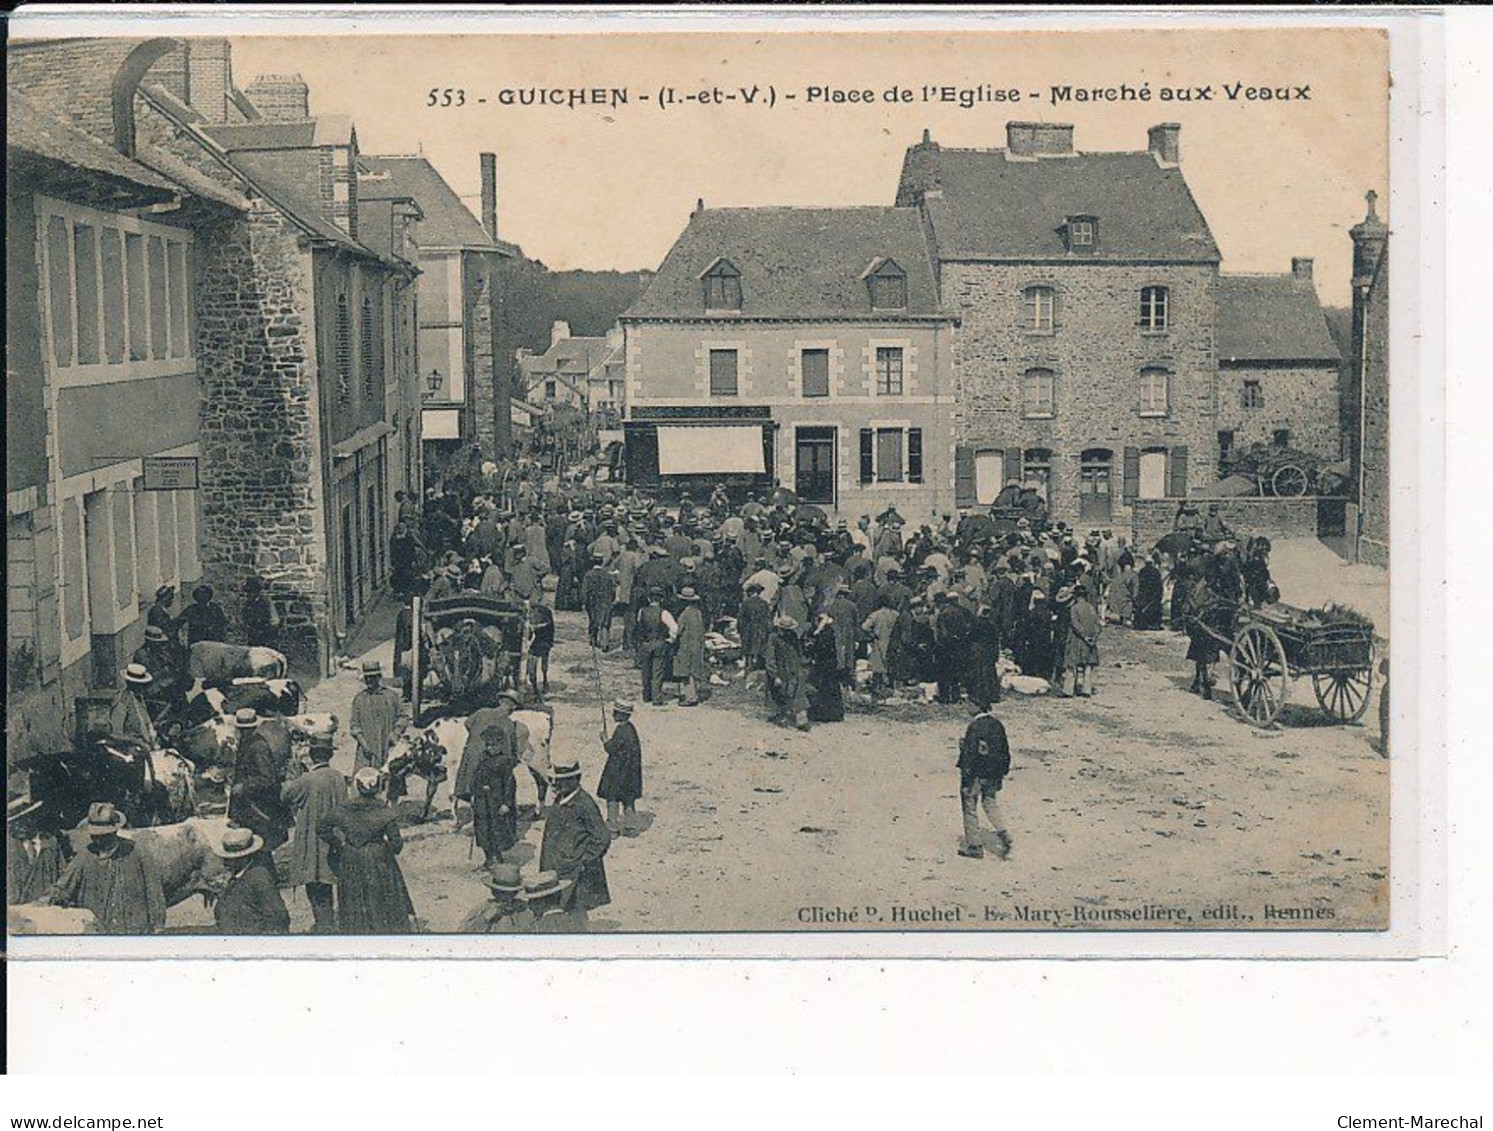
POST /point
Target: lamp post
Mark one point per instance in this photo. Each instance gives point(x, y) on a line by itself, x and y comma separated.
point(433, 383)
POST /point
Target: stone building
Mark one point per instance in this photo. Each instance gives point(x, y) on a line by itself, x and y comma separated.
point(104, 447)
point(561, 375)
point(1277, 365)
point(305, 362)
point(460, 263)
point(805, 346)
point(1087, 361)
point(1370, 374)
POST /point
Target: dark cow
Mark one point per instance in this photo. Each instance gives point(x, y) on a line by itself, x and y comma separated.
point(148, 786)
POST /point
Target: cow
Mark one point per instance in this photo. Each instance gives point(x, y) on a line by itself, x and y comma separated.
point(146, 785)
point(44, 919)
point(267, 696)
point(213, 745)
point(534, 726)
point(214, 662)
point(183, 854)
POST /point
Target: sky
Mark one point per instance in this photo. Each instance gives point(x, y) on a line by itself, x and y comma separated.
point(611, 186)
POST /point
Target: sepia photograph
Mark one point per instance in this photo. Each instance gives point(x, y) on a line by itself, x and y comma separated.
point(699, 482)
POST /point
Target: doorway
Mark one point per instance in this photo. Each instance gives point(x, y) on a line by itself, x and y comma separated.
point(814, 480)
point(1095, 498)
point(349, 572)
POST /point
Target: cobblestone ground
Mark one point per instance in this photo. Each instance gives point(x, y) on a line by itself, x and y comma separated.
point(1142, 807)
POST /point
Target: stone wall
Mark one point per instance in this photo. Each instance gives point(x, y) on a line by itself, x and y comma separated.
point(1271, 517)
point(1302, 400)
point(481, 280)
point(1373, 542)
point(261, 473)
point(1096, 352)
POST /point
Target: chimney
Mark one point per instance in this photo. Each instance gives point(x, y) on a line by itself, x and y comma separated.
point(1039, 139)
point(1164, 142)
point(280, 98)
point(1301, 269)
point(699, 205)
point(489, 163)
point(558, 333)
point(208, 77)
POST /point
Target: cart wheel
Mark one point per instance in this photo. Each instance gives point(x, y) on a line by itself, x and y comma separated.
point(1344, 694)
point(1289, 481)
point(1258, 675)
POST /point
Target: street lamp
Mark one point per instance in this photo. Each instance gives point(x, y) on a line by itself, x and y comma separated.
point(433, 383)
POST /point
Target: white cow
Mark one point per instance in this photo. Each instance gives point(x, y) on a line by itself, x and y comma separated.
point(534, 729)
point(44, 919)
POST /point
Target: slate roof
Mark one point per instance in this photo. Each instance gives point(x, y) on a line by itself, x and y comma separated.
point(996, 208)
point(31, 129)
point(291, 192)
point(1272, 318)
point(448, 222)
point(570, 357)
point(329, 129)
point(794, 263)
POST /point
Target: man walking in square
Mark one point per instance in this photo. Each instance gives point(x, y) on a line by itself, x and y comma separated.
point(984, 762)
point(375, 714)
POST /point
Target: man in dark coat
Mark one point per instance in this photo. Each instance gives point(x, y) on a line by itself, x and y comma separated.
point(575, 841)
point(655, 634)
point(260, 617)
point(204, 617)
point(250, 904)
point(984, 651)
point(621, 781)
point(753, 623)
point(311, 798)
point(984, 762)
point(495, 795)
point(1148, 593)
point(254, 802)
point(598, 595)
point(953, 625)
point(787, 691)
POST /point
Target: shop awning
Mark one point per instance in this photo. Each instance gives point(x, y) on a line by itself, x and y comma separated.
point(441, 424)
point(710, 448)
point(361, 439)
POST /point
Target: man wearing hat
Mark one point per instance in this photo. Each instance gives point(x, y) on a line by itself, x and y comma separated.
point(374, 723)
point(657, 630)
point(254, 801)
point(575, 841)
point(112, 878)
point(550, 900)
point(159, 615)
point(505, 913)
point(598, 595)
point(34, 858)
point(311, 798)
point(495, 794)
point(621, 781)
point(162, 660)
point(129, 716)
point(250, 903)
point(204, 618)
point(984, 762)
point(690, 668)
point(787, 692)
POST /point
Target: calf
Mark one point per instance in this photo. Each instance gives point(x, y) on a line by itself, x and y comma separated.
point(214, 662)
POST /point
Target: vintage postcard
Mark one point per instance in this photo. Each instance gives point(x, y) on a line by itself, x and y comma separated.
point(555, 479)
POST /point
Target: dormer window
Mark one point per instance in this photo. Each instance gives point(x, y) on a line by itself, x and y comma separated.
point(722, 286)
point(1083, 233)
point(888, 285)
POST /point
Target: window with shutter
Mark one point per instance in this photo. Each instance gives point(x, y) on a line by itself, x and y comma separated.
point(1155, 391)
point(85, 243)
point(1178, 468)
point(889, 455)
point(868, 455)
point(1038, 394)
point(342, 350)
point(914, 455)
point(964, 476)
point(1132, 474)
point(369, 348)
point(722, 373)
point(814, 368)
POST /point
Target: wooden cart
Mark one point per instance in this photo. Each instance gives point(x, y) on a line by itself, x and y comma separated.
point(1273, 646)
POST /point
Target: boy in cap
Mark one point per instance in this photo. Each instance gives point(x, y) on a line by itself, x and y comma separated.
point(621, 781)
point(495, 795)
point(984, 762)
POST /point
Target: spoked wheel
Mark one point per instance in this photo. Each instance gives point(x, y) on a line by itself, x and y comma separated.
point(1345, 694)
point(1289, 481)
point(1258, 675)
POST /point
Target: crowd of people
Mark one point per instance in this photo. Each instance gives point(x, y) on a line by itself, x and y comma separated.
point(809, 610)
